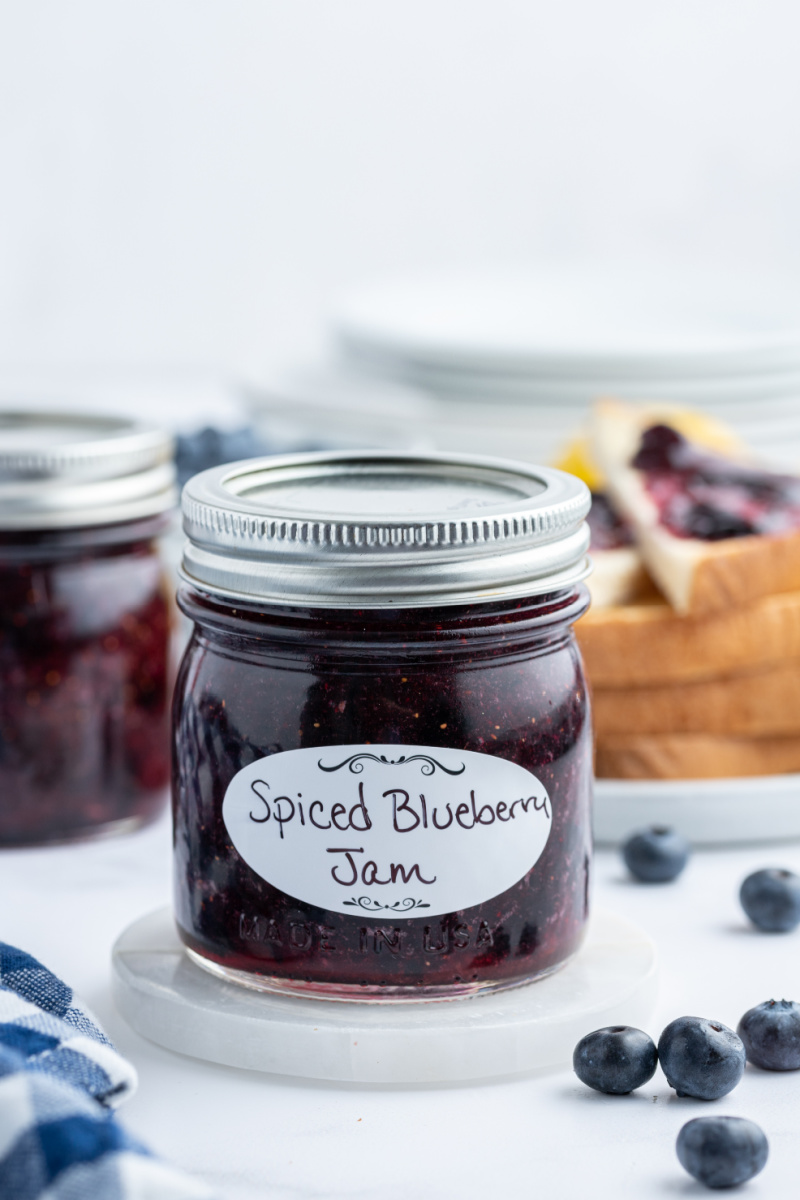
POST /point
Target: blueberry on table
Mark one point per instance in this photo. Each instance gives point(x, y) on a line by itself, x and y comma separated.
point(722, 1151)
point(655, 855)
point(771, 899)
point(700, 1058)
point(771, 1035)
point(615, 1060)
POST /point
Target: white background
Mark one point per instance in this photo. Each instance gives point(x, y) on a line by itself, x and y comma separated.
point(188, 183)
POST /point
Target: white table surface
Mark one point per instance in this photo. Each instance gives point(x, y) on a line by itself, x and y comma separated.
point(273, 1138)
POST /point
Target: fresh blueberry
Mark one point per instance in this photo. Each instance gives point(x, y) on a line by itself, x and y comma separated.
point(615, 1060)
point(713, 524)
point(700, 1058)
point(209, 447)
point(771, 899)
point(771, 1035)
point(655, 855)
point(659, 448)
point(722, 1151)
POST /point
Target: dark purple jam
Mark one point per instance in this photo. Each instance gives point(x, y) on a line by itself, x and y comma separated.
point(84, 704)
point(609, 530)
point(502, 679)
point(704, 495)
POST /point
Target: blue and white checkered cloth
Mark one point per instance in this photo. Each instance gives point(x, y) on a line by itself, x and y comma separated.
point(60, 1077)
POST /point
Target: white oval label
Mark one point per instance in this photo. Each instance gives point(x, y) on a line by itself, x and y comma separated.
point(388, 829)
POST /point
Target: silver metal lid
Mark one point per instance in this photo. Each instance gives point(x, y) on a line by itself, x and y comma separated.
point(60, 470)
point(375, 529)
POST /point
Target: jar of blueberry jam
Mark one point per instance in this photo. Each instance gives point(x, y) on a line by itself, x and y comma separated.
point(84, 625)
point(382, 743)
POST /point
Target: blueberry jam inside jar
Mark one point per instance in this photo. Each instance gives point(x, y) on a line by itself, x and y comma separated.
point(382, 738)
point(84, 626)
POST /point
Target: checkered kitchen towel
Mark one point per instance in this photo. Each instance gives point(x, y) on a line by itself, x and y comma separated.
point(59, 1078)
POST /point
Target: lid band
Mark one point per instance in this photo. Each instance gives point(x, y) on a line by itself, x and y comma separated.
point(62, 470)
point(375, 529)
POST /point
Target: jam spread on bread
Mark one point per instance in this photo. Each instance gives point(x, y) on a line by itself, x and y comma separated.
point(609, 530)
point(700, 494)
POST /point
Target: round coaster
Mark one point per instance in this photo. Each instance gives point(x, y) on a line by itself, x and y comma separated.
point(173, 1002)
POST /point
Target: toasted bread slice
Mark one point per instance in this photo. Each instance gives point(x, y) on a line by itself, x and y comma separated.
point(618, 574)
point(694, 756)
point(696, 576)
point(649, 643)
point(755, 705)
point(618, 578)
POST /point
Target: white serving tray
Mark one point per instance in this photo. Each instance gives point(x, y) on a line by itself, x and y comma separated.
point(709, 812)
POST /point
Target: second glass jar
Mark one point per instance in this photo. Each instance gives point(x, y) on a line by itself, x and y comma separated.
point(84, 625)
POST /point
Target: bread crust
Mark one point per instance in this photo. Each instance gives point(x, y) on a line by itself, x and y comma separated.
point(649, 643)
point(742, 569)
point(694, 756)
point(763, 703)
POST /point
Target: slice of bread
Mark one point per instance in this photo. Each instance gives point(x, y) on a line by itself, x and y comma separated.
point(618, 578)
point(649, 643)
point(760, 704)
point(694, 756)
point(696, 576)
point(618, 575)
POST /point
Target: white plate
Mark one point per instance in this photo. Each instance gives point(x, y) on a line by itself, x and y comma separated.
point(715, 392)
point(571, 322)
point(348, 409)
point(709, 812)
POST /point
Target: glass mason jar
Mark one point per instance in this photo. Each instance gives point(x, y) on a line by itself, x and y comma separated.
point(84, 625)
point(382, 742)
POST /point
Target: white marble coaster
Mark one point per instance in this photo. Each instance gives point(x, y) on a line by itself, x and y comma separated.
point(173, 1002)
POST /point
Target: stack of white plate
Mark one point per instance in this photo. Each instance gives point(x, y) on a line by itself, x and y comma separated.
point(509, 365)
